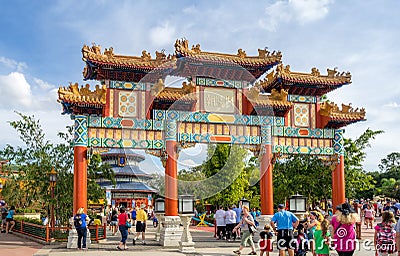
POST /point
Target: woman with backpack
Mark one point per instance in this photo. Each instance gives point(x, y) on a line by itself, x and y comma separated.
point(80, 220)
point(343, 223)
point(385, 235)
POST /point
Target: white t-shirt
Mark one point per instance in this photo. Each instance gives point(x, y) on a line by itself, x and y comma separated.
point(220, 217)
point(230, 217)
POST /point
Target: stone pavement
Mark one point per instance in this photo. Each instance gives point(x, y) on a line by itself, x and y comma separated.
point(205, 245)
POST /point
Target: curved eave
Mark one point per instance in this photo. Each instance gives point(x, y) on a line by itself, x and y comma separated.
point(339, 123)
point(301, 87)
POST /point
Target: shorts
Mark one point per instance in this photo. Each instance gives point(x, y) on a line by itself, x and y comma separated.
point(140, 226)
point(114, 223)
point(369, 218)
point(285, 239)
point(265, 245)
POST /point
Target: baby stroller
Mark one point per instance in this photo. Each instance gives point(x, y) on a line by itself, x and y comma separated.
point(302, 245)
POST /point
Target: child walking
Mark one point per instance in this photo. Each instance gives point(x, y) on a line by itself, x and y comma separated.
point(265, 242)
point(322, 239)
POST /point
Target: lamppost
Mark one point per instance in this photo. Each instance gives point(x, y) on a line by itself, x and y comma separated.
point(159, 211)
point(53, 182)
point(186, 211)
point(244, 202)
point(298, 204)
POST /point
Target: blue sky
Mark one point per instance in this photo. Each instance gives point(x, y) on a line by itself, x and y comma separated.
point(41, 41)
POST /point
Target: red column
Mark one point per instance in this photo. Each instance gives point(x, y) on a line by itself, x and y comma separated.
point(266, 187)
point(338, 179)
point(80, 178)
point(171, 180)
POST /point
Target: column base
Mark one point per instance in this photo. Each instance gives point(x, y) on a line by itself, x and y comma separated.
point(73, 236)
point(186, 247)
point(157, 235)
point(171, 231)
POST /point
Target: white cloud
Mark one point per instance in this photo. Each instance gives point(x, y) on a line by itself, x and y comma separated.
point(162, 35)
point(15, 91)
point(12, 64)
point(301, 11)
point(392, 105)
point(42, 84)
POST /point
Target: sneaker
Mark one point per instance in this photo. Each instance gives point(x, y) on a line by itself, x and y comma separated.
point(119, 248)
point(143, 242)
point(252, 253)
point(134, 242)
point(126, 248)
point(236, 252)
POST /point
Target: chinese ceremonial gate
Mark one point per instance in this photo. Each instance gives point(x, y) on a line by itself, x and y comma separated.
point(221, 101)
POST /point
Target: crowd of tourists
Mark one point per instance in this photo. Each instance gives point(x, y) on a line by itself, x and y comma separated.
point(319, 233)
point(119, 219)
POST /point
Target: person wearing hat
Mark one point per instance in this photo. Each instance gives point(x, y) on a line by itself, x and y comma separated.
point(80, 220)
point(344, 235)
point(141, 217)
point(283, 222)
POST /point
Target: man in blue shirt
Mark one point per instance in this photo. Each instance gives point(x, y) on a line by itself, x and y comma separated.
point(238, 212)
point(283, 223)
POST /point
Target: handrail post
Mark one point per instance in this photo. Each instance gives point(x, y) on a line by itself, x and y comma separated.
point(105, 230)
point(21, 228)
point(47, 233)
point(97, 233)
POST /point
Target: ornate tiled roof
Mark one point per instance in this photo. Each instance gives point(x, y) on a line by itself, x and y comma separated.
point(303, 83)
point(115, 152)
point(275, 99)
point(145, 61)
point(74, 94)
point(160, 92)
point(341, 117)
point(264, 56)
point(330, 109)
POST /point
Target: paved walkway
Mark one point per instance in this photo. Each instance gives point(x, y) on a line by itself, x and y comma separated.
point(205, 244)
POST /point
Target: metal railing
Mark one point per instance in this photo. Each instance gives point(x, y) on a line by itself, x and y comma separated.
point(48, 234)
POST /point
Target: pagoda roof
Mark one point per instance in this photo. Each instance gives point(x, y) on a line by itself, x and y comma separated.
point(304, 83)
point(115, 152)
point(130, 186)
point(129, 170)
point(100, 65)
point(341, 117)
point(82, 100)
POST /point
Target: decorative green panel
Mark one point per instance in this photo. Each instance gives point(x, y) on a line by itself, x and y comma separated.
point(302, 150)
point(127, 85)
point(301, 98)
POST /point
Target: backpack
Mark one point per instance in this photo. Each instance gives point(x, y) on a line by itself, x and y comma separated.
point(386, 238)
point(77, 221)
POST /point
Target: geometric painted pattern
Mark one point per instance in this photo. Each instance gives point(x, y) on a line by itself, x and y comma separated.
point(123, 143)
point(127, 104)
point(302, 132)
point(302, 150)
point(80, 131)
point(221, 83)
point(301, 98)
point(170, 130)
point(266, 135)
point(211, 138)
point(198, 117)
point(128, 123)
point(127, 85)
point(338, 142)
point(301, 115)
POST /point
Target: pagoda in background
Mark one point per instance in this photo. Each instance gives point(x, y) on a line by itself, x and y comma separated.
point(130, 189)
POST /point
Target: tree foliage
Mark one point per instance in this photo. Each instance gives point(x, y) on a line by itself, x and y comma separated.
point(28, 184)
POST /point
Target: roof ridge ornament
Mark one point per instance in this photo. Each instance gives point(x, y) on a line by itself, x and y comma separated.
point(330, 108)
point(75, 94)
